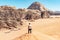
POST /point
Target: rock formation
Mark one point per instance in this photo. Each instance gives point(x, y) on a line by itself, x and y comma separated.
point(38, 6)
point(29, 14)
point(12, 17)
point(32, 14)
point(9, 17)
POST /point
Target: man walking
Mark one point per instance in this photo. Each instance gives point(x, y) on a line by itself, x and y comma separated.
point(29, 28)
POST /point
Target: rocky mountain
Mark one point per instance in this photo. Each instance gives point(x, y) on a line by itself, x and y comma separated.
point(12, 17)
point(37, 6)
point(9, 17)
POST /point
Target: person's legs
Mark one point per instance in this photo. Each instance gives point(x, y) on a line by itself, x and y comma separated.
point(30, 31)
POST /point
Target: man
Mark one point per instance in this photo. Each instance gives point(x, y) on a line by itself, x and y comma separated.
point(29, 28)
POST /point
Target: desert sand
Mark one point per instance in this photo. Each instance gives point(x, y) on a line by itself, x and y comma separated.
point(43, 29)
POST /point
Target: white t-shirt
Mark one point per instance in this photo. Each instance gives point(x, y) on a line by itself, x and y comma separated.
point(29, 27)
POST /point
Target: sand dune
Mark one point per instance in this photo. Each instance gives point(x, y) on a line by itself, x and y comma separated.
point(26, 37)
point(35, 36)
point(43, 29)
point(46, 29)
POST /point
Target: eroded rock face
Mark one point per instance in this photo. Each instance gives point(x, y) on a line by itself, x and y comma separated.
point(32, 14)
point(12, 17)
point(29, 14)
point(38, 6)
point(9, 17)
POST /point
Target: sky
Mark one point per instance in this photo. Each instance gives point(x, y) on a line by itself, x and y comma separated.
point(49, 4)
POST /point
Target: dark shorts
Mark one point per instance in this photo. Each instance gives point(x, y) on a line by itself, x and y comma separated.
point(29, 29)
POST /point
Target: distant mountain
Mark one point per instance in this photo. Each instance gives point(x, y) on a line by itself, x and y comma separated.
point(37, 6)
point(54, 12)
